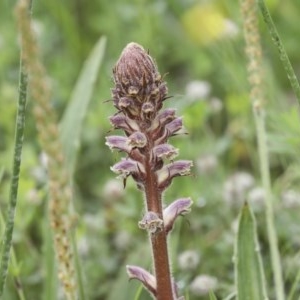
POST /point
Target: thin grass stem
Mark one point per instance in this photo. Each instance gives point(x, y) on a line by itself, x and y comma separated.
point(254, 54)
point(13, 194)
point(282, 53)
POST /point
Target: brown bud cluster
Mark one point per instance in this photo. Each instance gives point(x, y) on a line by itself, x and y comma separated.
point(139, 89)
point(138, 95)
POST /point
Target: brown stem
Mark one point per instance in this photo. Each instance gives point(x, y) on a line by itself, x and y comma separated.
point(158, 239)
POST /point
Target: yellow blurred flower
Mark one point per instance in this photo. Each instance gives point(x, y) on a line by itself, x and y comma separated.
point(204, 23)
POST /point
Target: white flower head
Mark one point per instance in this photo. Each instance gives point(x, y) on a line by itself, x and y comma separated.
point(230, 29)
point(290, 199)
point(236, 187)
point(203, 284)
point(207, 164)
point(256, 197)
point(197, 89)
point(113, 189)
point(188, 260)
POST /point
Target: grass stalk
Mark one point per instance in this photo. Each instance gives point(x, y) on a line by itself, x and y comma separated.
point(254, 55)
point(16, 166)
point(60, 194)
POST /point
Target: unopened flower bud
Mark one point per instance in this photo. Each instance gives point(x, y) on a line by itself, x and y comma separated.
point(137, 81)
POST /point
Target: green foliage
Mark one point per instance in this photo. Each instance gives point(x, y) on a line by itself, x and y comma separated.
point(250, 278)
point(106, 232)
point(73, 117)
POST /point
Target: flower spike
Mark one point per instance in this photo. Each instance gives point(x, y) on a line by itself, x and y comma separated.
point(138, 95)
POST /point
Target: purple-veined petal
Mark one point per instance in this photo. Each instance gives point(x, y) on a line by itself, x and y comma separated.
point(120, 121)
point(166, 116)
point(179, 207)
point(147, 279)
point(168, 172)
point(165, 151)
point(128, 167)
point(118, 142)
point(174, 126)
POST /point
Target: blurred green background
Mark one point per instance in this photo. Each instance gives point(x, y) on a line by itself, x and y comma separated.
point(199, 46)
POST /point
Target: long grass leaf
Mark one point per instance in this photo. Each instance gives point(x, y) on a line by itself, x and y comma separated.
point(72, 120)
point(250, 279)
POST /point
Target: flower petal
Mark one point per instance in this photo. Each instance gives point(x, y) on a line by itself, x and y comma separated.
point(174, 169)
point(174, 126)
point(179, 207)
point(137, 140)
point(120, 121)
point(147, 279)
point(128, 167)
point(118, 142)
point(164, 117)
point(165, 151)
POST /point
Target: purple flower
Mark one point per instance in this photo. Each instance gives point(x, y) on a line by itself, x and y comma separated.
point(147, 279)
point(174, 169)
point(165, 151)
point(179, 207)
point(128, 167)
point(118, 142)
point(137, 140)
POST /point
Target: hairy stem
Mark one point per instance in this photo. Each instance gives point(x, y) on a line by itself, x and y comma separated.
point(159, 239)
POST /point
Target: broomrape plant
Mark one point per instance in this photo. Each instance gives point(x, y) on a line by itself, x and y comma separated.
point(138, 95)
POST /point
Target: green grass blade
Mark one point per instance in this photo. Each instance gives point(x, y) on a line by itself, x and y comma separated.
point(282, 53)
point(50, 282)
point(295, 285)
point(72, 120)
point(212, 296)
point(13, 195)
point(250, 279)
